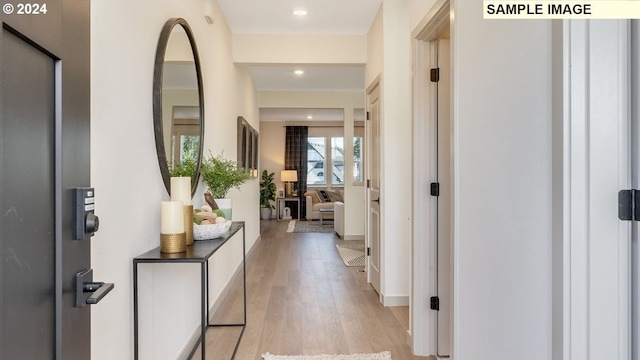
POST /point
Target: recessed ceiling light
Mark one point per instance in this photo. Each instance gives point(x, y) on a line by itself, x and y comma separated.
point(299, 72)
point(299, 12)
point(309, 117)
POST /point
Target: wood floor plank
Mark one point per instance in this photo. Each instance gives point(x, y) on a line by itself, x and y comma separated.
point(301, 299)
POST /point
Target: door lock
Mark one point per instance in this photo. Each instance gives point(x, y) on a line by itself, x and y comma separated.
point(86, 222)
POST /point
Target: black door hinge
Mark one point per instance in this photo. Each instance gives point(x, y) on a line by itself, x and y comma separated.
point(368, 183)
point(435, 74)
point(435, 189)
point(435, 303)
point(629, 205)
point(368, 115)
point(368, 251)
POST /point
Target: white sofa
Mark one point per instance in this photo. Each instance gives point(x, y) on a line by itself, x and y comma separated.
point(313, 207)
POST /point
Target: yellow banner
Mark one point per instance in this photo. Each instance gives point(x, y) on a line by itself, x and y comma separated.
point(599, 9)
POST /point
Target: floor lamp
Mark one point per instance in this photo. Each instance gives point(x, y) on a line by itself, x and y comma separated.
point(289, 177)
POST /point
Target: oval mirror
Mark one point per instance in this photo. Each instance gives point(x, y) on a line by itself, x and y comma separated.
point(178, 104)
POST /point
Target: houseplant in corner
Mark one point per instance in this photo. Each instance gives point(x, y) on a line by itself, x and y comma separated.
point(267, 194)
point(220, 175)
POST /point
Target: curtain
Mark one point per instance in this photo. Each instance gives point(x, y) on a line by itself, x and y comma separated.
point(295, 158)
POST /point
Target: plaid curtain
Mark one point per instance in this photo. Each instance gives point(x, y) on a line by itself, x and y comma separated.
point(295, 158)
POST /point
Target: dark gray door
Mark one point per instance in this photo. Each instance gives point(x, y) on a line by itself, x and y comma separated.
point(44, 154)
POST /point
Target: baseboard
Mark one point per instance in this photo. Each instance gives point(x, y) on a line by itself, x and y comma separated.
point(195, 336)
point(395, 300)
point(353, 237)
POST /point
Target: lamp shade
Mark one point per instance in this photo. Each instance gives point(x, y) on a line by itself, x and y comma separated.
point(289, 175)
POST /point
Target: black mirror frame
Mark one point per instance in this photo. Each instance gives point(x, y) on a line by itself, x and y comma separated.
point(157, 100)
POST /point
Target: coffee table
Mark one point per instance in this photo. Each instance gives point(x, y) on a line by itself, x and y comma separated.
point(322, 214)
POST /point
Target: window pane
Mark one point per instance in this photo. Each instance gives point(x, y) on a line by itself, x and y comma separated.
point(357, 159)
point(316, 161)
point(190, 145)
point(337, 161)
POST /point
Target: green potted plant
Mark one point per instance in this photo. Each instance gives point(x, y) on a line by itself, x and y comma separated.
point(220, 175)
point(186, 167)
point(267, 194)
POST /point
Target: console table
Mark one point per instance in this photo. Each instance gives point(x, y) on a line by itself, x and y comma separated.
point(281, 201)
point(198, 253)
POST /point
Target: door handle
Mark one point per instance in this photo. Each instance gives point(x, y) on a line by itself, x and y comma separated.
point(89, 292)
point(98, 294)
point(376, 200)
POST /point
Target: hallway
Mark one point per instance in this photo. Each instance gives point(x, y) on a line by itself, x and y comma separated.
point(301, 299)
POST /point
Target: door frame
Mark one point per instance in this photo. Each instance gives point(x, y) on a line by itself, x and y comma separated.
point(423, 329)
point(583, 255)
point(574, 47)
point(377, 82)
point(635, 182)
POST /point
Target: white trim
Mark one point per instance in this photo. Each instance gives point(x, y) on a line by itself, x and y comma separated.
point(395, 300)
point(560, 194)
point(624, 228)
point(455, 136)
point(353, 237)
point(635, 176)
point(423, 325)
point(596, 258)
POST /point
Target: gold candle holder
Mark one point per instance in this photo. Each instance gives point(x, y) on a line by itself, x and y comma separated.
point(173, 243)
point(188, 223)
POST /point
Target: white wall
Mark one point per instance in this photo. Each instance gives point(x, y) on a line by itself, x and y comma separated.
point(502, 136)
point(418, 9)
point(389, 59)
point(375, 51)
point(128, 184)
point(299, 49)
point(396, 149)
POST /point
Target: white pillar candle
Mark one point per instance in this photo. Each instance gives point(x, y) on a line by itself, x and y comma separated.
point(181, 189)
point(171, 217)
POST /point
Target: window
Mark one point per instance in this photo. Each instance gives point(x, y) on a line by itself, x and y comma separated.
point(357, 159)
point(326, 158)
point(337, 161)
point(316, 161)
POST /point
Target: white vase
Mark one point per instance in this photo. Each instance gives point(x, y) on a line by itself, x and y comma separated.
point(225, 206)
point(265, 213)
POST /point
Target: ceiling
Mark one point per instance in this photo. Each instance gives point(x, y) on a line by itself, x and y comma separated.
point(349, 17)
point(276, 16)
point(315, 77)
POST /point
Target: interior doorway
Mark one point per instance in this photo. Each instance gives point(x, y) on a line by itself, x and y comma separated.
point(431, 293)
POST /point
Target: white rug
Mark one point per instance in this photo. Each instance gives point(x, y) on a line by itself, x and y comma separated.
point(291, 226)
point(385, 355)
point(352, 255)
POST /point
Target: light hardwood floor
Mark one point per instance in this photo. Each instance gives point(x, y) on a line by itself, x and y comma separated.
point(301, 299)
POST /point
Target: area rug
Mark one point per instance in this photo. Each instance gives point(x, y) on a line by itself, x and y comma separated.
point(385, 355)
point(309, 226)
point(352, 253)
